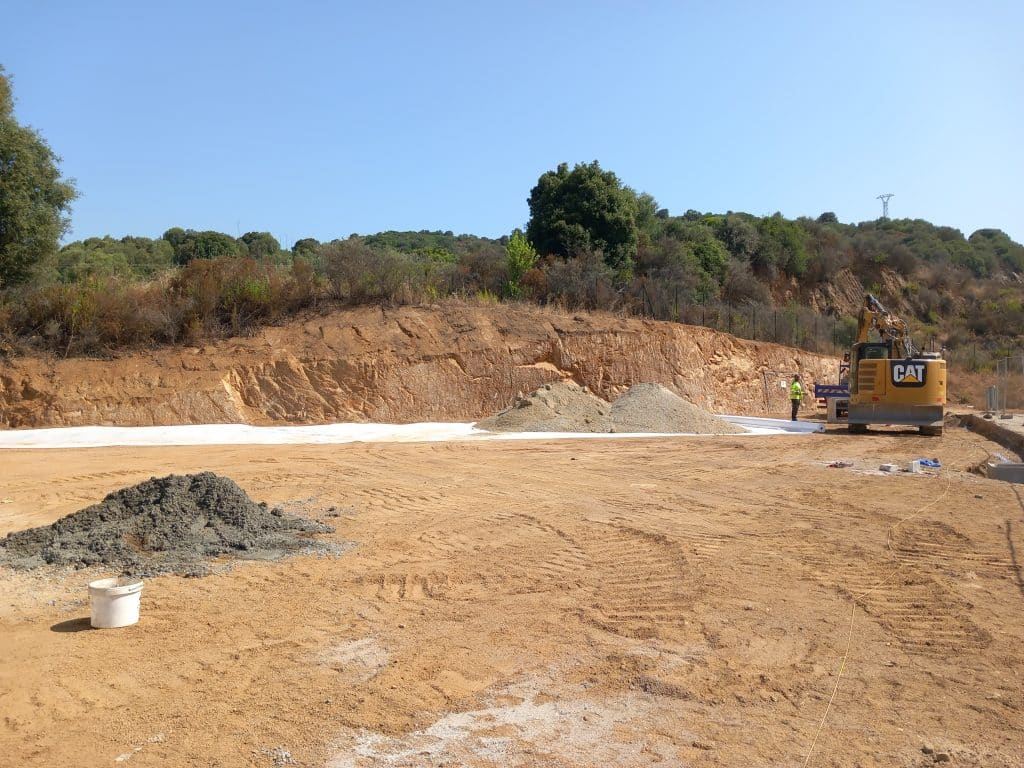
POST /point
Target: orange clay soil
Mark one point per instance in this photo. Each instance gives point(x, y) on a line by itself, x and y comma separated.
point(629, 602)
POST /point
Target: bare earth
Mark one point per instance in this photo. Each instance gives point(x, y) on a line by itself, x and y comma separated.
point(664, 602)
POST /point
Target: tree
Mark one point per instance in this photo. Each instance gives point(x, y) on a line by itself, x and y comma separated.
point(137, 257)
point(306, 248)
point(739, 234)
point(520, 257)
point(995, 247)
point(782, 245)
point(587, 209)
point(34, 200)
point(189, 244)
point(261, 245)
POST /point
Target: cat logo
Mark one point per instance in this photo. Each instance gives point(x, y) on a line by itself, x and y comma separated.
point(908, 374)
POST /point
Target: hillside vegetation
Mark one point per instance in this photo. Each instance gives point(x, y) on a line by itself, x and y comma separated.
point(591, 242)
point(799, 282)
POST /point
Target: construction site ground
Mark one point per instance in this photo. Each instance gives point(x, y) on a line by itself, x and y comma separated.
point(701, 601)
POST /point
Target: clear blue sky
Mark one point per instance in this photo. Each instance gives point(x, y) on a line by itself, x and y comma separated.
point(326, 118)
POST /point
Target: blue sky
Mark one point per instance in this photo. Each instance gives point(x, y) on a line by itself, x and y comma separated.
point(320, 119)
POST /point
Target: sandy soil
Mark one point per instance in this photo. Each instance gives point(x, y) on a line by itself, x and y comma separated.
point(623, 603)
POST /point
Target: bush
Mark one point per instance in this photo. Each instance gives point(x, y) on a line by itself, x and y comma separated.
point(742, 286)
point(203, 300)
point(583, 282)
point(360, 274)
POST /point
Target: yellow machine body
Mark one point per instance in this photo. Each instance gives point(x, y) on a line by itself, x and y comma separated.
point(886, 390)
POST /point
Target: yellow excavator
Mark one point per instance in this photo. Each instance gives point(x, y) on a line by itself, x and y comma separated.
point(892, 382)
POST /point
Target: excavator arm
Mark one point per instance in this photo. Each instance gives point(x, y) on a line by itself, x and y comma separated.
point(890, 329)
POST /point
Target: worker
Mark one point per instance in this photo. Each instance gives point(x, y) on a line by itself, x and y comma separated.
point(796, 394)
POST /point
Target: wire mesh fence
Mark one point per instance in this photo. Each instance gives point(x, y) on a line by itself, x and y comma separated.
point(793, 326)
point(1009, 383)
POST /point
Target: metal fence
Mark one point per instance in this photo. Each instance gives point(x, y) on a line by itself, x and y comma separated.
point(1009, 384)
point(793, 326)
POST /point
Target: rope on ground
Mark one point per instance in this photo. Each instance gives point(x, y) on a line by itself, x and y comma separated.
point(853, 613)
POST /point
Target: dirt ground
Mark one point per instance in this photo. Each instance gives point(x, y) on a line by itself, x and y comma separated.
point(664, 602)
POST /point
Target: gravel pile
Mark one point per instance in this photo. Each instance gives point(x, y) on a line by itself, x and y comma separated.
point(567, 407)
point(560, 407)
point(165, 525)
point(653, 408)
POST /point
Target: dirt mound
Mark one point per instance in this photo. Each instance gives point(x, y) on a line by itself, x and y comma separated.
point(653, 408)
point(164, 525)
point(559, 407)
point(567, 407)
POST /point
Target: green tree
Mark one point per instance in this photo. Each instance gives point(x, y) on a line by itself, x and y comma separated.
point(587, 209)
point(261, 245)
point(306, 248)
point(34, 200)
point(993, 246)
point(739, 233)
point(520, 257)
point(130, 256)
point(189, 244)
point(782, 246)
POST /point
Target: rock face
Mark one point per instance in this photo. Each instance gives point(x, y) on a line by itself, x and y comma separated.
point(451, 363)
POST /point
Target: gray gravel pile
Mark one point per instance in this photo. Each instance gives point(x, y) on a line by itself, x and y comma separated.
point(558, 407)
point(653, 408)
point(568, 407)
point(165, 525)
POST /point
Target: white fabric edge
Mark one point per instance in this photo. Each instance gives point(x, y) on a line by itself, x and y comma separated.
point(325, 434)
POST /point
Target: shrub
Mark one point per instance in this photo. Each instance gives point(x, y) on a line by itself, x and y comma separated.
point(360, 274)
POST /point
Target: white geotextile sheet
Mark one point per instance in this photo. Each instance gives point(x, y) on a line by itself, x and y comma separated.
point(244, 434)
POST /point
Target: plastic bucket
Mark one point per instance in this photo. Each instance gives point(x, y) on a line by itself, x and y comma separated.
point(114, 602)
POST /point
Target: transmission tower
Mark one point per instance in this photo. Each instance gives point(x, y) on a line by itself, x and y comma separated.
point(885, 203)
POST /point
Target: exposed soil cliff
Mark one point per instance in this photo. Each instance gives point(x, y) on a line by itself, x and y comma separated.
point(443, 363)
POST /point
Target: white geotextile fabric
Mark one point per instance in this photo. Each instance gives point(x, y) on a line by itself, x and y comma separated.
point(244, 434)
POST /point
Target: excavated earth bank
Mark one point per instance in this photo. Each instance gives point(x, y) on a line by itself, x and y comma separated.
point(453, 362)
point(567, 407)
point(172, 524)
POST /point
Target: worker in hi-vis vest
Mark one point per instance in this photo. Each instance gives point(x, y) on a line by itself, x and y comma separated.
point(796, 394)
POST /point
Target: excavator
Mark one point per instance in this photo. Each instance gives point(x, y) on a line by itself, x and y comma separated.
point(891, 381)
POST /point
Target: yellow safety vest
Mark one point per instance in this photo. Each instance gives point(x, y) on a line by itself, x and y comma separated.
point(796, 392)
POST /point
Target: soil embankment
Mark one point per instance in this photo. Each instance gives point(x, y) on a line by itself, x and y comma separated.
point(453, 362)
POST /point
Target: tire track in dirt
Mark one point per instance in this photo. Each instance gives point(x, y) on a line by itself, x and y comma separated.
point(698, 543)
point(563, 561)
point(641, 582)
point(924, 616)
point(637, 583)
point(938, 547)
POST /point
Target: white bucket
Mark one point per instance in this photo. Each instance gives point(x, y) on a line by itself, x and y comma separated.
point(114, 602)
